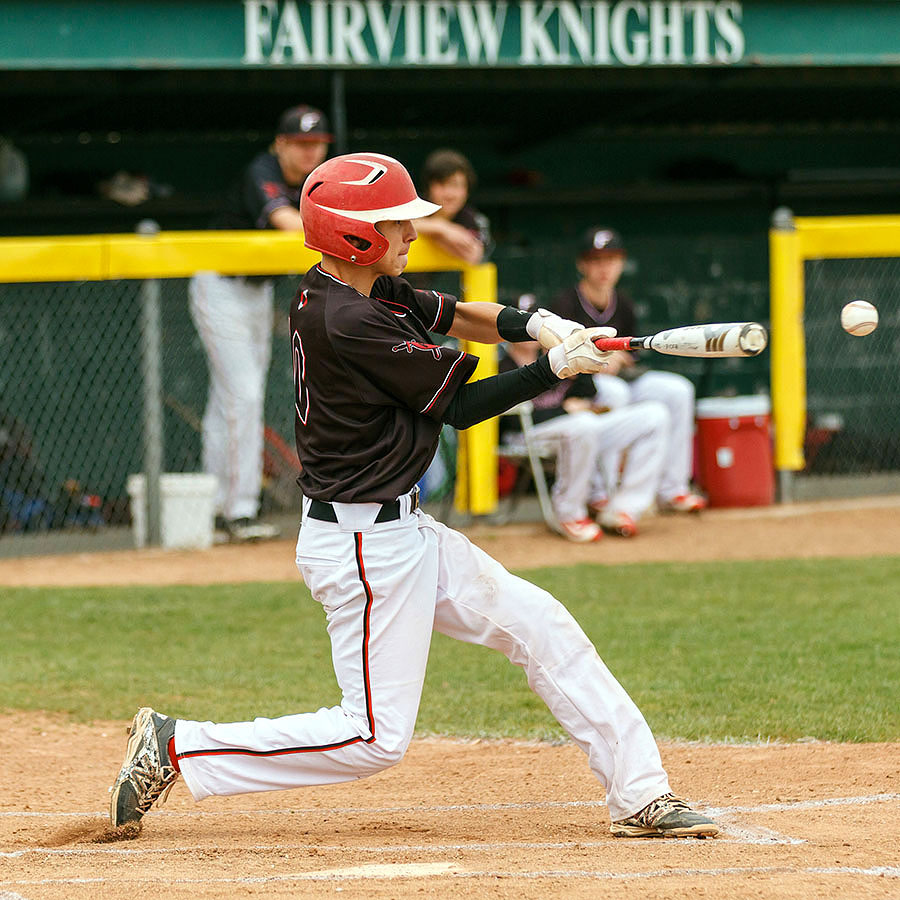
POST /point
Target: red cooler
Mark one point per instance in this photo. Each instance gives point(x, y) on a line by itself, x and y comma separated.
point(734, 450)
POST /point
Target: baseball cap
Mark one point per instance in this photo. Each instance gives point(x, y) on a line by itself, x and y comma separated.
point(304, 123)
point(597, 241)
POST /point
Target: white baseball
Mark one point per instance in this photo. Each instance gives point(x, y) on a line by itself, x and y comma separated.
point(859, 318)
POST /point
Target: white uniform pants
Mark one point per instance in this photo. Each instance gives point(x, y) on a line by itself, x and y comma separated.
point(589, 456)
point(384, 589)
point(234, 320)
point(676, 393)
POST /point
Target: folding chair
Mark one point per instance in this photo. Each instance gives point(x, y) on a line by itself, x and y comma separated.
point(538, 452)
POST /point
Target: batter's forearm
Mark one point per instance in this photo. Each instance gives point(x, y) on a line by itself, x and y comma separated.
point(477, 321)
point(479, 400)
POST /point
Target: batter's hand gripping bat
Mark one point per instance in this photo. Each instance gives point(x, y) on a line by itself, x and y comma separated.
point(716, 339)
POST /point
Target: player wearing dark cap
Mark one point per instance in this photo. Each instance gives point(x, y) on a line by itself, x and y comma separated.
point(234, 316)
point(597, 300)
point(370, 395)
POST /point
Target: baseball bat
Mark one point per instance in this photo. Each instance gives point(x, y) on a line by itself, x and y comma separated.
point(715, 339)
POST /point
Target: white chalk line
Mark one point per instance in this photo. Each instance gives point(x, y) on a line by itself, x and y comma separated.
point(802, 804)
point(389, 871)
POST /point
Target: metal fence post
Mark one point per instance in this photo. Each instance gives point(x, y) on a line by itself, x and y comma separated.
point(151, 371)
point(788, 376)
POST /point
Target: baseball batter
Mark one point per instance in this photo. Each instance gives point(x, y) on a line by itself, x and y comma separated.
point(234, 316)
point(371, 393)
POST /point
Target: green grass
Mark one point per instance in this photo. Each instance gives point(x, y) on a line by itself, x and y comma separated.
point(715, 651)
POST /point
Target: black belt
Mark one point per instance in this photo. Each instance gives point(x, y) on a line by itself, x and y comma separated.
point(389, 512)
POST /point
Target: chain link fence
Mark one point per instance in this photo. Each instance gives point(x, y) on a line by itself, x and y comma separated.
point(72, 378)
point(72, 402)
point(853, 383)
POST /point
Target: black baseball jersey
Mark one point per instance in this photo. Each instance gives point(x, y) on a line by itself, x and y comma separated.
point(619, 314)
point(261, 190)
point(370, 387)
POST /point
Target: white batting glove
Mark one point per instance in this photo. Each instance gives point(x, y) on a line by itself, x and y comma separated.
point(578, 354)
point(549, 329)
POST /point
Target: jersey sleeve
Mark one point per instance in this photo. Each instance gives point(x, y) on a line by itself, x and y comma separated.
point(263, 191)
point(395, 363)
point(433, 309)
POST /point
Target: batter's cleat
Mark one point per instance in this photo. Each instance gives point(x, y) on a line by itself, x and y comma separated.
point(618, 523)
point(689, 503)
point(667, 816)
point(147, 773)
point(581, 531)
point(596, 507)
point(243, 530)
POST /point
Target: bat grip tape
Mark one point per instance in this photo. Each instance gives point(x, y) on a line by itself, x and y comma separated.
point(614, 343)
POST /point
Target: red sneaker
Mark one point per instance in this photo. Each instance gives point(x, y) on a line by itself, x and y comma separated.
point(619, 523)
point(690, 503)
point(582, 531)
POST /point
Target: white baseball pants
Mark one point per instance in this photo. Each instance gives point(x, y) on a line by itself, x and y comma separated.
point(384, 589)
point(676, 393)
point(234, 320)
point(590, 452)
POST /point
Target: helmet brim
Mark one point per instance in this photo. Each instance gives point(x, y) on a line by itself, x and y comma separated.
point(415, 209)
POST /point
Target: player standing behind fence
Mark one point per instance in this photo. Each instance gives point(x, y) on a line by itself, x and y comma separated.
point(234, 316)
point(597, 300)
point(371, 393)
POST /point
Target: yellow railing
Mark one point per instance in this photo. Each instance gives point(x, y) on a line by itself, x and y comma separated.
point(791, 243)
point(181, 253)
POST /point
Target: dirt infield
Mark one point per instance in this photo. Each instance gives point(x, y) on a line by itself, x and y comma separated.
point(455, 819)
point(475, 819)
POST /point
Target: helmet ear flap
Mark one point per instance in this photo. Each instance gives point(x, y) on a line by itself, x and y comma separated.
point(362, 250)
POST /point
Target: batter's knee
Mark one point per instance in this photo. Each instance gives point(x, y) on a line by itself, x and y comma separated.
point(380, 754)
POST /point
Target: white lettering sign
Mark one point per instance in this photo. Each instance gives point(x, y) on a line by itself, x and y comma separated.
point(358, 33)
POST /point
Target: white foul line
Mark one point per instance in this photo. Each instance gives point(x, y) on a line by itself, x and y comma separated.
point(391, 871)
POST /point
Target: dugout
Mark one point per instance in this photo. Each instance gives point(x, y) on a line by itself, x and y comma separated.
point(685, 125)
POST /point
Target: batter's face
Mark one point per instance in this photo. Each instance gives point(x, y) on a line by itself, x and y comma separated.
point(400, 235)
point(451, 194)
point(602, 270)
point(298, 157)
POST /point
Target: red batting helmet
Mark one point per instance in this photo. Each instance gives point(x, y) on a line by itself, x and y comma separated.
point(345, 196)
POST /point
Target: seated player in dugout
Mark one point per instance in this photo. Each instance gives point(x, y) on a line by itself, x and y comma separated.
point(607, 463)
point(448, 180)
point(597, 300)
point(370, 396)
